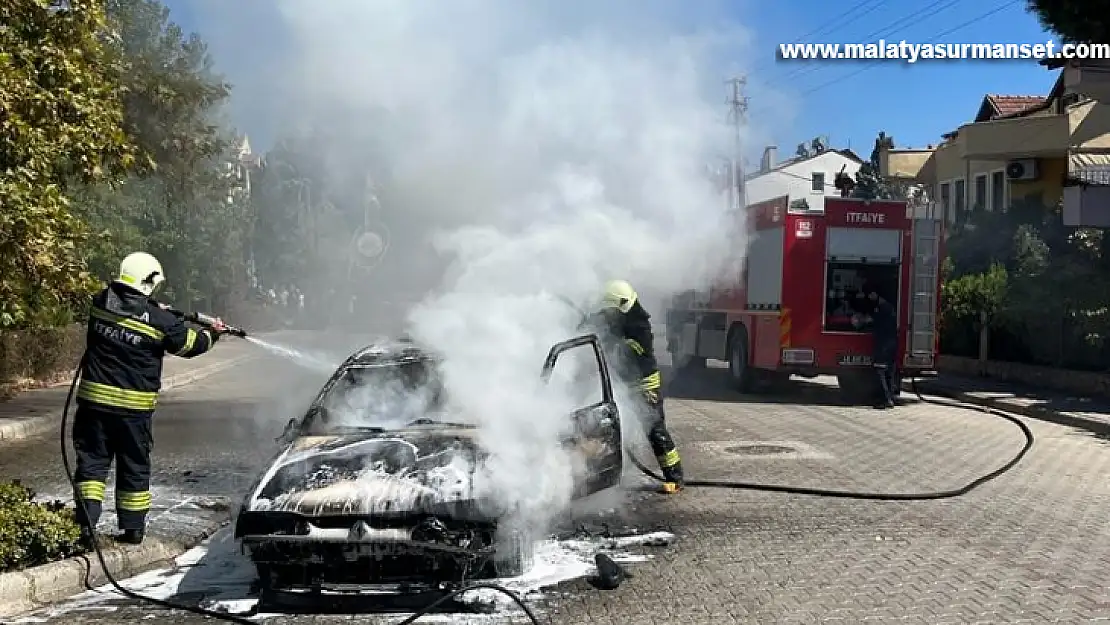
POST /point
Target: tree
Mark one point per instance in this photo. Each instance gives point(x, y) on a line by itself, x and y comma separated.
point(181, 204)
point(870, 184)
point(978, 299)
point(1076, 21)
point(60, 121)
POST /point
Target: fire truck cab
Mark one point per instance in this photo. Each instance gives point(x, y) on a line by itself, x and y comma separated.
point(800, 306)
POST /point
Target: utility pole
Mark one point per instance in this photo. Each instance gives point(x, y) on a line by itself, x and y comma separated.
point(738, 115)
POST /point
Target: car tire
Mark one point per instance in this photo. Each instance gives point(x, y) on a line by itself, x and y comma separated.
point(515, 555)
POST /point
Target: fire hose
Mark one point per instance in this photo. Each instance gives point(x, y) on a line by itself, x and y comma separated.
point(207, 321)
point(841, 494)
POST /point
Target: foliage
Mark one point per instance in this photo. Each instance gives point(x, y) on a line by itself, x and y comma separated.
point(870, 184)
point(974, 295)
point(33, 533)
point(1044, 285)
point(1074, 20)
point(60, 120)
point(176, 205)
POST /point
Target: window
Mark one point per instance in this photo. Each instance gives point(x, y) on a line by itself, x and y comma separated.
point(979, 201)
point(998, 191)
point(946, 200)
point(818, 182)
point(959, 201)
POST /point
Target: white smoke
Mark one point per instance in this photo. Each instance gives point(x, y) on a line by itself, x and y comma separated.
point(544, 147)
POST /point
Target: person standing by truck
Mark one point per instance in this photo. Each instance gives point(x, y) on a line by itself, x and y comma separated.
point(884, 329)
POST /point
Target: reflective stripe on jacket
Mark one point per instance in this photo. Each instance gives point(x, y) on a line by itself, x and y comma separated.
point(128, 336)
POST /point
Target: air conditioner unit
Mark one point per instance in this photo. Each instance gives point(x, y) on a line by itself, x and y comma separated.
point(1024, 169)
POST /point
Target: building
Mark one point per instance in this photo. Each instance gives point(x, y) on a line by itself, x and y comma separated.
point(1047, 149)
point(243, 162)
point(807, 175)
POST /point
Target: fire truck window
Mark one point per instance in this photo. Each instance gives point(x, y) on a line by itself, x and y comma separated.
point(847, 307)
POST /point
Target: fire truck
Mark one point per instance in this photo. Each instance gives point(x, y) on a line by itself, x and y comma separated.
point(800, 305)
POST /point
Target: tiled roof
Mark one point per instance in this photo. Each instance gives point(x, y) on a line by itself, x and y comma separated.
point(1013, 104)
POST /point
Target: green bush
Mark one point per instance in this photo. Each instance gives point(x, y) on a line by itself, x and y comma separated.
point(32, 532)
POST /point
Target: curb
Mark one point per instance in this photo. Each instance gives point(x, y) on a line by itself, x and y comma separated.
point(34, 588)
point(34, 426)
point(932, 387)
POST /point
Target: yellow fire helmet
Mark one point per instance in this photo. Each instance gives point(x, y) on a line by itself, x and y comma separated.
point(142, 272)
point(620, 295)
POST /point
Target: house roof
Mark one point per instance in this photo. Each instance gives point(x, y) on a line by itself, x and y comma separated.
point(801, 159)
point(996, 105)
point(1009, 106)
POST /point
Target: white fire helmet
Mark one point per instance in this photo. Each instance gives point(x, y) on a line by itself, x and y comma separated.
point(620, 295)
point(142, 272)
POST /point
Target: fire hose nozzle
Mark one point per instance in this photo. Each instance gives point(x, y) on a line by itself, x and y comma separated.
point(208, 321)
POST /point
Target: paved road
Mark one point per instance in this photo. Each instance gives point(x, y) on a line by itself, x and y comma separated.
point(1031, 547)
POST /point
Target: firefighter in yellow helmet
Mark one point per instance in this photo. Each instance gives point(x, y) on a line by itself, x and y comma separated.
point(626, 320)
point(121, 374)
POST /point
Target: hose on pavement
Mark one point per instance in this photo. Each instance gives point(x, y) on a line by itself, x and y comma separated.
point(224, 616)
point(842, 494)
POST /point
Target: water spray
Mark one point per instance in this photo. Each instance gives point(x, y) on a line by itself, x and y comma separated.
point(296, 356)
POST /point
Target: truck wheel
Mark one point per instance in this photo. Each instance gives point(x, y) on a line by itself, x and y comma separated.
point(515, 555)
point(742, 375)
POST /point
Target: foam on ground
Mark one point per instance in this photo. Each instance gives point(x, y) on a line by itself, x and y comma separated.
point(221, 579)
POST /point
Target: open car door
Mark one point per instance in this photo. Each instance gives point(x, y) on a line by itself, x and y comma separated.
point(597, 424)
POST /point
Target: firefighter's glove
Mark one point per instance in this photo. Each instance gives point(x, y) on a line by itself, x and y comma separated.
point(652, 397)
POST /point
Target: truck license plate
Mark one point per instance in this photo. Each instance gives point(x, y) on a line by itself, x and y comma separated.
point(854, 360)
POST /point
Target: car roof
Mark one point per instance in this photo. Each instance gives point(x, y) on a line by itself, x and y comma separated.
point(388, 352)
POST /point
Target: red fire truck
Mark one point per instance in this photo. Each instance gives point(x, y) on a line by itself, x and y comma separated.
point(799, 307)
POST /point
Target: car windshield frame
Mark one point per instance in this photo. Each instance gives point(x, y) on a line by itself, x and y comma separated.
point(331, 411)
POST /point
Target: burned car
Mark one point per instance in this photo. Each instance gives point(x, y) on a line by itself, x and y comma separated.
point(349, 507)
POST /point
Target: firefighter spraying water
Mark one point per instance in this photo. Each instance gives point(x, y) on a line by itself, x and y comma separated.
point(129, 333)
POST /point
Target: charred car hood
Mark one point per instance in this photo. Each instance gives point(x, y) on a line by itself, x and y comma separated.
point(415, 470)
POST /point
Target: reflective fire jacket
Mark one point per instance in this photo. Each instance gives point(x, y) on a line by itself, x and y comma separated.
point(128, 336)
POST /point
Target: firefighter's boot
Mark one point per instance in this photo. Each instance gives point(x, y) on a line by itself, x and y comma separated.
point(86, 539)
point(673, 480)
point(131, 537)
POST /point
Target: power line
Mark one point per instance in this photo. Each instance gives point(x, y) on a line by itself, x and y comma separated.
point(843, 16)
point(870, 66)
point(936, 40)
point(933, 9)
point(847, 14)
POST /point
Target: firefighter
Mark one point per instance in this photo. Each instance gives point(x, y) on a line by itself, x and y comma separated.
point(625, 319)
point(128, 335)
point(884, 328)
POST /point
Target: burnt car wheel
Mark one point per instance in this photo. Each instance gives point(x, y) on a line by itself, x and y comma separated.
point(516, 554)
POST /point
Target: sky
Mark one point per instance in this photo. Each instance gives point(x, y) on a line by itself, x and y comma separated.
point(790, 101)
